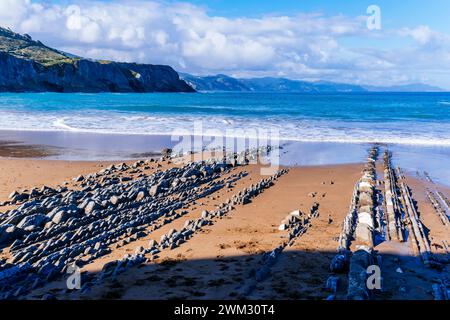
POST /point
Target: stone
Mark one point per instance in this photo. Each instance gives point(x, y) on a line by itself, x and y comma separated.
point(187, 223)
point(61, 216)
point(158, 188)
point(205, 214)
point(171, 232)
point(246, 200)
point(207, 171)
point(91, 206)
point(366, 218)
point(20, 197)
point(152, 244)
point(154, 190)
point(139, 250)
point(79, 178)
point(9, 232)
point(365, 199)
point(35, 220)
point(340, 262)
point(296, 213)
point(13, 195)
point(365, 186)
point(365, 233)
point(141, 195)
point(114, 200)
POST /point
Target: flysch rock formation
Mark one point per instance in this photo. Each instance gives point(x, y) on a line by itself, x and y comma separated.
point(52, 230)
point(374, 218)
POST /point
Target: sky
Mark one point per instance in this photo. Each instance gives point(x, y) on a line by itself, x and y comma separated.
point(407, 42)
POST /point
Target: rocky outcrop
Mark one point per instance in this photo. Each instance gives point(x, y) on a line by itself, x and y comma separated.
point(18, 75)
point(28, 65)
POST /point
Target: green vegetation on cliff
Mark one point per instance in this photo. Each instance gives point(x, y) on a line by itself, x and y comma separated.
point(24, 47)
point(29, 65)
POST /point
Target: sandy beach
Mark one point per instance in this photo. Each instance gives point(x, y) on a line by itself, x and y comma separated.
point(224, 256)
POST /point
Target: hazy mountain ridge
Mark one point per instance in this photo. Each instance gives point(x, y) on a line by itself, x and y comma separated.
point(412, 87)
point(29, 65)
point(223, 82)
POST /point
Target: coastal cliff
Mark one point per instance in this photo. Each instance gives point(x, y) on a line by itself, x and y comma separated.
point(28, 65)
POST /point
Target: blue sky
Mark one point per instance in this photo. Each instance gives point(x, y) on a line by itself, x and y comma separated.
point(397, 12)
point(301, 39)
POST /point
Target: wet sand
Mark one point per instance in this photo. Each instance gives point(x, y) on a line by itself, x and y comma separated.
point(13, 149)
point(86, 146)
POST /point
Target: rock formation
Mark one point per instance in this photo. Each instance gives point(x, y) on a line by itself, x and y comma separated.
point(28, 65)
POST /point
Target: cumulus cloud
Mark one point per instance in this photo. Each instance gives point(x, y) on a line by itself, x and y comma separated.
point(302, 46)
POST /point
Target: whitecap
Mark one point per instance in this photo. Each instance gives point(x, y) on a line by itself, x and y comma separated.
point(61, 124)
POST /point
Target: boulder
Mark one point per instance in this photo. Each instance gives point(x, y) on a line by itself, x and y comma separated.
point(365, 199)
point(159, 187)
point(364, 232)
point(205, 214)
point(139, 250)
point(34, 220)
point(206, 171)
point(152, 244)
point(141, 195)
point(282, 227)
point(91, 207)
point(78, 179)
point(114, 200)
point(296, 213)
point(18, 197)
point(65, 213)
point(13, 194)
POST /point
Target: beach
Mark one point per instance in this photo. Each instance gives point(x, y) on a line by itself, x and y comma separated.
point(220, 258)
point(224, 196)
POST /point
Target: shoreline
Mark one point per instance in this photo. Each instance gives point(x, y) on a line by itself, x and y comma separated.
point(73, 146)
point(24, 132)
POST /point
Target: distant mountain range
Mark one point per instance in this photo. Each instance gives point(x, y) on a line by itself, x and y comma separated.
point(29, 65)
point(223, 82)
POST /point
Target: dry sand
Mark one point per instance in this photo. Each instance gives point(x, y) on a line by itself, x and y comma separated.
point(217, 261)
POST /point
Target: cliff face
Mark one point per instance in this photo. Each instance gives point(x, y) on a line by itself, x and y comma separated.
point(27, 65)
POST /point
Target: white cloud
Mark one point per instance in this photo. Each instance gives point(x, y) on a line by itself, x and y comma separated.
point(306, 46)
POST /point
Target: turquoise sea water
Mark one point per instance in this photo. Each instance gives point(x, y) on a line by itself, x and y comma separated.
point(314, 129)
point(402, 118)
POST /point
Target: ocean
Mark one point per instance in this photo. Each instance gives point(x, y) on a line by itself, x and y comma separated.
point(336, 128)
point(403, 118)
